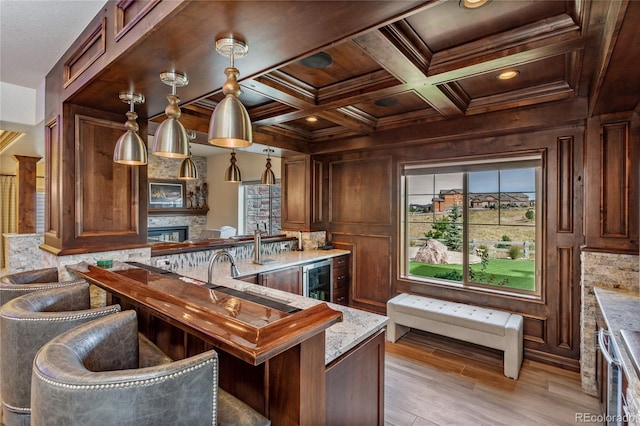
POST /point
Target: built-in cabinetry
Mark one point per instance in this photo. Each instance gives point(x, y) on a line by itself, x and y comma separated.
point(611, 379)
point(341, 279)
point(611, 183)
point(287, 279)
point(302, 200)
point(103, 203)
point(290, 279)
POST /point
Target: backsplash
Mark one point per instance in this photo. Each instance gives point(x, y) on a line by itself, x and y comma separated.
point(199, 258)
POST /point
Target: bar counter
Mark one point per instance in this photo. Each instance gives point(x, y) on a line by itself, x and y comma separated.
point(356, 326)
point(294, 359)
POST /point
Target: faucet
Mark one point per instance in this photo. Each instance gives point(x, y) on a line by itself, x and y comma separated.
point(212, 261)
point(257, 243)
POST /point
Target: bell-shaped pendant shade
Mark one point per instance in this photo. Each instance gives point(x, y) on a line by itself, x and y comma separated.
point(230, 126)
point(130, 148)
point(233, 171)
point(188, 170)
point(171, 139)
point(268, 177)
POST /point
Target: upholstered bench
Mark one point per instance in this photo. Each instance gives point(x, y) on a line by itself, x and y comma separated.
point(482, 326)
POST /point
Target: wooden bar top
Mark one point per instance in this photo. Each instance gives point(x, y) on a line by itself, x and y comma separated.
point(242, 324)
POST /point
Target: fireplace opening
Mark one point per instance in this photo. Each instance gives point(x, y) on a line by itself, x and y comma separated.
point(168, 233)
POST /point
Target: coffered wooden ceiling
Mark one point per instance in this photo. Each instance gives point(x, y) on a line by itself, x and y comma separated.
point(394, 64)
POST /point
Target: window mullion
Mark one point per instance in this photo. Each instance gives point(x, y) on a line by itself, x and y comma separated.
point(465, 229)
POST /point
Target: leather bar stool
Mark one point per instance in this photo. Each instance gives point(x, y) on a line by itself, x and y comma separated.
point(26, 323)
point(89, 375)
point(14, 285)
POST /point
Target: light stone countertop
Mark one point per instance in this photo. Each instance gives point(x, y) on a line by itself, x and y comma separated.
point(621, 311)
point(357, 325)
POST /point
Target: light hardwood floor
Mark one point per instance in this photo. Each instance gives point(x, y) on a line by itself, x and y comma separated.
point(432, 380)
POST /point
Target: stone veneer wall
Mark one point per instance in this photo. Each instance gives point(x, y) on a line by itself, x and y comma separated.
point(201, 258)
point(23, 253)
point(609, 270)
point(310, 240)
point(168, 168)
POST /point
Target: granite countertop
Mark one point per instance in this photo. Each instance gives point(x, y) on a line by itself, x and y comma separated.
point(357, 325)
point(621, 311)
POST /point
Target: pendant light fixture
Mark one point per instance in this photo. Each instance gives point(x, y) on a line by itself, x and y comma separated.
point(268, 177)
point(233, 171)
point(130, 148)
point(230, 126)
point(188, 169)
point(171, 139)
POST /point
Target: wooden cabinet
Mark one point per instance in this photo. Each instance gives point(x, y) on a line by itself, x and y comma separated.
point(611, 183)
point(287, 279)
point(91, 202)
point(355, 385)
point(341, 280)
point(302, 200)
point(253, 279)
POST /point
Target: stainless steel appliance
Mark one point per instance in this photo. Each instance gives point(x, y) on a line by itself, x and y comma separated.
point(317, 279)
point(612, 379)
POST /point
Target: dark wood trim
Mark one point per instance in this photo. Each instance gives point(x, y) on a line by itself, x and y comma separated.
point(79, 62)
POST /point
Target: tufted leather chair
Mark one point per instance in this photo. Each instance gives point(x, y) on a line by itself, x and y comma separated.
point(89, 375)
point(28, 322)
point(14, 285)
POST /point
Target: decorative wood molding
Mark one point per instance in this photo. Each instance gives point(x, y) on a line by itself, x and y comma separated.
point(516, 98)
point(53, 183)
point(554, 30)
point(565, 203)
point(374, 81)
point(615, 176)
point(125, 19)
point(7, 137)
point(89, 52)
point(565, 324)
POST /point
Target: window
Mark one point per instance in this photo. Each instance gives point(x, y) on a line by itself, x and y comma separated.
point(261, 207)
point(474, 225)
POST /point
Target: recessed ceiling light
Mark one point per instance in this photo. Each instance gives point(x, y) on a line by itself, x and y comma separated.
point(318, 61)
point(311, 119)
point(473, 4)
point(386, 102)
point(506, 75)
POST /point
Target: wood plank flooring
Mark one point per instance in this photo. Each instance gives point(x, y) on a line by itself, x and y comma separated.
point(432, 380)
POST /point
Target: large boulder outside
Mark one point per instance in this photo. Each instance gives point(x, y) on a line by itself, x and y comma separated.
point(433, 251)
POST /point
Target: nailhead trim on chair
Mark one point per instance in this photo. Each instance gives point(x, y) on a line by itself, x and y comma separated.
point(134, 383)
point(214, 401)
point(68, 317)
point(20, 409)
point(16, 287)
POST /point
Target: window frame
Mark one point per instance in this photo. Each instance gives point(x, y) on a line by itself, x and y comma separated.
point(243, 212)
point(536, 160)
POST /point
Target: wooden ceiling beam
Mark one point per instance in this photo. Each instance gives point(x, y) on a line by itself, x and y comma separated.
point(396, 49)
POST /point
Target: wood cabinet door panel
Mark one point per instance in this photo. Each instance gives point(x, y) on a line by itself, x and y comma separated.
point(288, 279)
